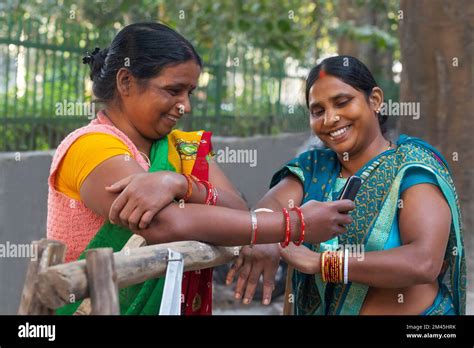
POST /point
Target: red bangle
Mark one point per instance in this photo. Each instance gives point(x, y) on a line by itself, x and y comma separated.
point(208, 188)
point(211, 198)
point(214, 196)
point(300, 214)
point(285, 243)
point(189, 191)
point(331, 267)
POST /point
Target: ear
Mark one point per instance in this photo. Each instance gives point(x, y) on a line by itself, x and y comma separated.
point(124, 80)
point(376, 98)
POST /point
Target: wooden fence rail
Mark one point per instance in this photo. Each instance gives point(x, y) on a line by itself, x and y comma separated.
point(51, 284)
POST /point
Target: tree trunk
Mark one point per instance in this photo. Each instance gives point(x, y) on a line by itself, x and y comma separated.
point(352, 11)
point(437, 56)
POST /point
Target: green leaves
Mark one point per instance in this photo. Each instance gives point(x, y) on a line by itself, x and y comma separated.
point(367, 33)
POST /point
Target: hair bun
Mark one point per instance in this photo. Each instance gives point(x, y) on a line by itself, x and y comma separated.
point(89, 57)
point(96, 61)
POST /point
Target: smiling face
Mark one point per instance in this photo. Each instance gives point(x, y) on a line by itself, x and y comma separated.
point(154, 106)
point(341, 116)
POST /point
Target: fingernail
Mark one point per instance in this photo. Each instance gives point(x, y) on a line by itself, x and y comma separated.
point(246, 301)
point(266, 301)
point(237, 296)
point(227, 282)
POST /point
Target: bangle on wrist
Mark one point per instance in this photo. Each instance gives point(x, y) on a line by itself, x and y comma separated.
point(346, 266)
point(287, 238)
point(302, 225)
point(253, 236)
point(212, 194)
point(189, 190)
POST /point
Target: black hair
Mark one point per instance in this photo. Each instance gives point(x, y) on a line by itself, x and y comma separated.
point(350, 70)
point(142, 48)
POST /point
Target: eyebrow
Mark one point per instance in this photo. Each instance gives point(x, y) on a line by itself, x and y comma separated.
point(337, 96)
point(178, 86)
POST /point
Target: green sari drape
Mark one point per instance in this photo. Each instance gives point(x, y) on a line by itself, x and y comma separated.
point(376, 206)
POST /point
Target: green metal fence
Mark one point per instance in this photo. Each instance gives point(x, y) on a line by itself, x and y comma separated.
point(241, 91)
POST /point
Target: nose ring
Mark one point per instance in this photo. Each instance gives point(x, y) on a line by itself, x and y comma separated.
point(337, 118)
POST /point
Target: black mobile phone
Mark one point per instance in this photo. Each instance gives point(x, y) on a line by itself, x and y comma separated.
point(350, 189)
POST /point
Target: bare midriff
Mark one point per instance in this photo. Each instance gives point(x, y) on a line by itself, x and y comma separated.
point(402, 301)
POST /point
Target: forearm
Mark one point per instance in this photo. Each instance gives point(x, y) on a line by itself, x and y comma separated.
point(226, 198)
point(270, 203)
point(394, 268)
point(216, 225)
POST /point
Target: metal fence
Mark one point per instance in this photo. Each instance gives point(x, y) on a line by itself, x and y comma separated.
point(241, 91)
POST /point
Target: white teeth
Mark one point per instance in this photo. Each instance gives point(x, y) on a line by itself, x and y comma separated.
point(174, 119)
point(339, 132)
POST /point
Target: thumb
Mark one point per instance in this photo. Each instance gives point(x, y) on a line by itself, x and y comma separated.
point(119, 185)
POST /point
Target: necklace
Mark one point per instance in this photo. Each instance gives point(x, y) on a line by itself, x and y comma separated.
point(147, 159)
point(388, 148)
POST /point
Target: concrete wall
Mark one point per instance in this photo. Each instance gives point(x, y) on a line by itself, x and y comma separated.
point(23, 192)
point(23, 196)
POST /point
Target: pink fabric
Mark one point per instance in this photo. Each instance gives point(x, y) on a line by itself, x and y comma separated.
point(69, 220)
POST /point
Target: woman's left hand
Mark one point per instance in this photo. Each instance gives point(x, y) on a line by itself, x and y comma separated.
point(301, 258)
point(143, 195)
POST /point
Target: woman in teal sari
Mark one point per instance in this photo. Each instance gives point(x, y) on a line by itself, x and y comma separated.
point(405, 247)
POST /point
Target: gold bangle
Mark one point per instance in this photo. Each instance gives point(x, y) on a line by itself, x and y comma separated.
point(323, 255)
point(340, 267)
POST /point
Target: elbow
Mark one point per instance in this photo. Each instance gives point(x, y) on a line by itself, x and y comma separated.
point(427, 270)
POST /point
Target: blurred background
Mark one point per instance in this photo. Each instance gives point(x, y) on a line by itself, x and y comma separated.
point(251, 92)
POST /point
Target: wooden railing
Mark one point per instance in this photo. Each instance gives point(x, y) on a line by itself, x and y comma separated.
point(50, 283)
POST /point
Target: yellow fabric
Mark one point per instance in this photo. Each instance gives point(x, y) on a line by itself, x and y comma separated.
point(180, 149)
point(91, 149)
point(86, 153)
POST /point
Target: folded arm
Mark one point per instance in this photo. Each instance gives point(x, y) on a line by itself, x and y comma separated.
point(424, 224)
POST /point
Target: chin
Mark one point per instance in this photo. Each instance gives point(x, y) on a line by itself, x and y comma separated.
point(339, 148)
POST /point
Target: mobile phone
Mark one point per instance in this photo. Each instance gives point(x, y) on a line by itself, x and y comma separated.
point(350, 189)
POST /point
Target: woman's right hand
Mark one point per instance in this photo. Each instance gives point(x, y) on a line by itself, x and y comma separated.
point(326, 220)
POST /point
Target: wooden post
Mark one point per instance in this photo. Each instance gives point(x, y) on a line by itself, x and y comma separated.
point(135, 241)
point(287, 306)
point(48, 253)
point(102, 280)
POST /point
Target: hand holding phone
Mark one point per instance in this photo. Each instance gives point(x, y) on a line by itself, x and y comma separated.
point(350, 189)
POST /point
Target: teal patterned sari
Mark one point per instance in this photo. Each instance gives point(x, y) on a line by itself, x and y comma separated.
point(376, 208)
